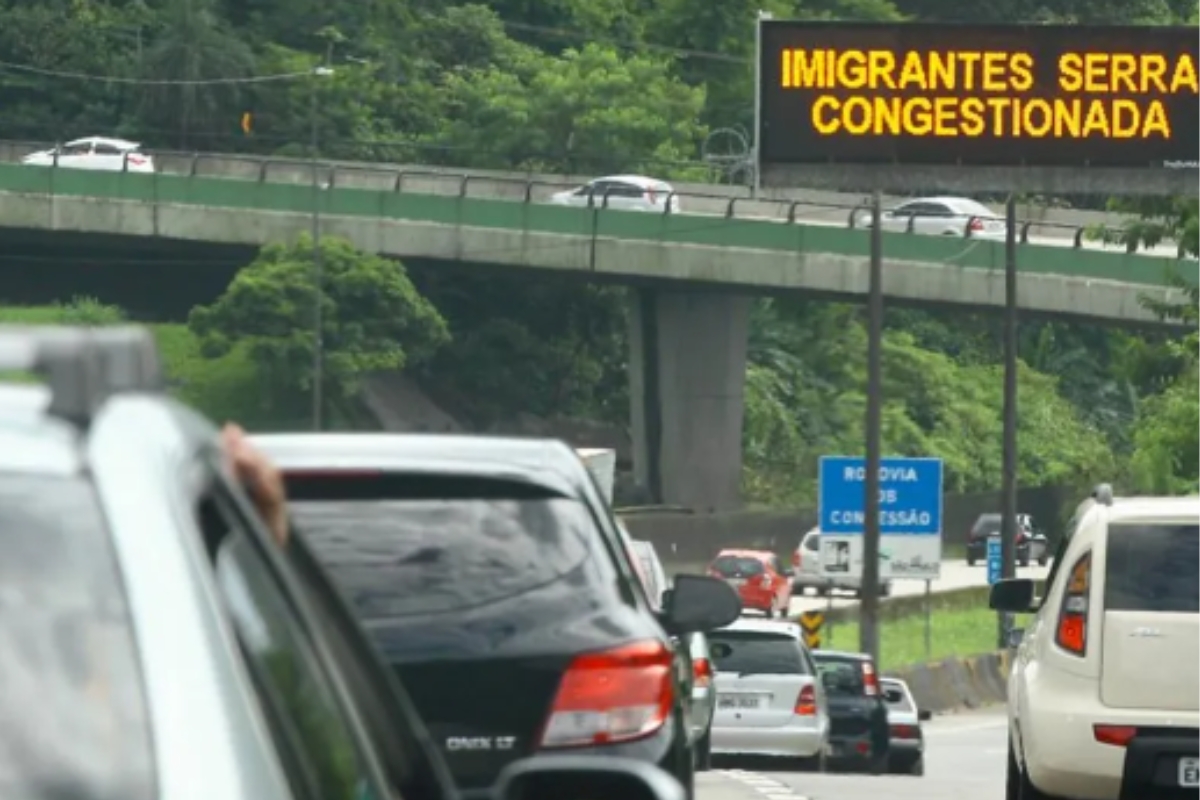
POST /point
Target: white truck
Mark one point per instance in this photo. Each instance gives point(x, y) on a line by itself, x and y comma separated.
point(602, 463)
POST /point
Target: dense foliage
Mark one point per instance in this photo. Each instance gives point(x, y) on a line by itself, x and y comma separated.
point(583, 86)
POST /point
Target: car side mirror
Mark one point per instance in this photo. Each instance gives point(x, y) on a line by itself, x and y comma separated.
point(1015, 637)
point(572, 777)
point(924, 715)
point(1014, 595)
point(699, 604)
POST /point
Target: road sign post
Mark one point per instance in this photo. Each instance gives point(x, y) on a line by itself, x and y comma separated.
point(811, 623)
point(910, 517)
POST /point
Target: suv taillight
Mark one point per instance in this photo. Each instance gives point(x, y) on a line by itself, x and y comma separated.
point(612, 696)
point(702, 672)
point(900, 731)
point(806, 703)
point(976, 224)
point(1116, 735)
point(1071, 634)
point(870, 680)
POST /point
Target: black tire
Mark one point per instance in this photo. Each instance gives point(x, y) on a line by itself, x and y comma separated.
point(917, 768)
point(885, 589)
point(1024, 562)
point(1017, 785)
point(1043, 559)
point(704, 752)
point(970, 561)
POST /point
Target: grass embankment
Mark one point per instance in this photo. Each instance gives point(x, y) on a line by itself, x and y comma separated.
point(954, 633)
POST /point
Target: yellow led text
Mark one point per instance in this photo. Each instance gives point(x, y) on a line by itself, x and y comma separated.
point(986, 93)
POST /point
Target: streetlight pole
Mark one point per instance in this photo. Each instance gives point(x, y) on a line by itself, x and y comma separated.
point(318, 400)
point(1008, 503)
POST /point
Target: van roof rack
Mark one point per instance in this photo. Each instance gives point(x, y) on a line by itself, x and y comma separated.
point(83, 367)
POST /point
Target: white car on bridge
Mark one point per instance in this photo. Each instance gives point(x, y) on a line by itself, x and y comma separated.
point(624, 193)
point(94, 152)
point(941, 216)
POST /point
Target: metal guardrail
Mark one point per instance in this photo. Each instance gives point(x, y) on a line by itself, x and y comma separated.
point(331, 174)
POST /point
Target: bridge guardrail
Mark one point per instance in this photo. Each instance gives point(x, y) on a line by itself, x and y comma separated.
point(333, 174)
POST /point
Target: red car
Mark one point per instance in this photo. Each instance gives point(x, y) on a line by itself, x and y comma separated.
point(759, 578)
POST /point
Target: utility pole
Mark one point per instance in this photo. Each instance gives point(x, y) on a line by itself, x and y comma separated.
point(868, 629)
point(318, 399)
point(1008, 517)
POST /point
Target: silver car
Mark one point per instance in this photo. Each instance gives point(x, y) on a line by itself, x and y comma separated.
point(806, 571)
point(770, 701)
point(906, 741)
point(704, 695)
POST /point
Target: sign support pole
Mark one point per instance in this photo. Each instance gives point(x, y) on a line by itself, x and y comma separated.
point(928, 619)
point(868, 630)
point(1008, 519)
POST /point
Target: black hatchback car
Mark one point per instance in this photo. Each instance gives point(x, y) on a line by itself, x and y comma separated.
point(490, 574)
point(859, 736)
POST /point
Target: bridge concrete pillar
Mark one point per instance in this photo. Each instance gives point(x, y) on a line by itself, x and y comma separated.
point(687, 375)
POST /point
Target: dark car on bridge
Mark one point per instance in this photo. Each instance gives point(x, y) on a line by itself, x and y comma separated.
point(859, 734)
point(490, 575)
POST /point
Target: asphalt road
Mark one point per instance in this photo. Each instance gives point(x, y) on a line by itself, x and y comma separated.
point(955, 575)
point(964, 760)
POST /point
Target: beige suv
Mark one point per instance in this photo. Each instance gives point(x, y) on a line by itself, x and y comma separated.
point(1104, 692)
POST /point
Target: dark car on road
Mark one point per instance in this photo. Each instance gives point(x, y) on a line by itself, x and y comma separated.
point(1031, 545)
point(858, 716)
point(490, 574)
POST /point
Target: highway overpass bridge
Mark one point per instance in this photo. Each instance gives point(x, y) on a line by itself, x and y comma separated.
point(696, 272)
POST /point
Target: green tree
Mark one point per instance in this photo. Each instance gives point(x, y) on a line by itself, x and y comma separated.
point(588, 110)
point(193, 44)
point(372, 318)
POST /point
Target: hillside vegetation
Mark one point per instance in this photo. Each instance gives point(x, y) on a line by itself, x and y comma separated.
point(583, 87)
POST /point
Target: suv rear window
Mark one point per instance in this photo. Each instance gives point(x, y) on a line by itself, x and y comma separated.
point(841, 676)
point(737, 566)
point(413, 557)
point(753, 653)
point(986, 525)
point(70, 682)
point(1153, 568)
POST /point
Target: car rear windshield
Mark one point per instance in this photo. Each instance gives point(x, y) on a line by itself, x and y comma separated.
point(70, 683)
point(463, 545)
point(1153, 568)
point(842, 677)
point(896, 697)
point(986, 524)
point(753, 653)
point(737, 566)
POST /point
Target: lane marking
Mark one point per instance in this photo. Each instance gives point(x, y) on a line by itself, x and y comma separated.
point(767, 787)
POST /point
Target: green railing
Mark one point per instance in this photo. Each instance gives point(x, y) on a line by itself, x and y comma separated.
point(517, 214)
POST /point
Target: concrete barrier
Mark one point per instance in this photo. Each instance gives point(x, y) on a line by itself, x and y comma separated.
point(954, 684)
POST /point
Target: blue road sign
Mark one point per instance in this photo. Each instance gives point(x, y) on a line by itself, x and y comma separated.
point(993, 559)
point(910, 496)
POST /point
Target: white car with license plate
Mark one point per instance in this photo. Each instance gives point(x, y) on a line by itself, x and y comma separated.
point(1104, 690)
point(906, 740)
point(94, 153)
point(770, 701)
point(621, 193)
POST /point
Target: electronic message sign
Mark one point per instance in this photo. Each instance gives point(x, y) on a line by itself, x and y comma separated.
point(989, 96)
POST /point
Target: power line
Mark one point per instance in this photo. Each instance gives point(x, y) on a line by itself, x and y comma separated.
point(83, 76)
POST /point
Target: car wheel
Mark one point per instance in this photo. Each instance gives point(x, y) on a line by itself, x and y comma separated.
point(1024, 560)
point(970, 561)
point(1017, 784)
point(885, 589)
point(704, 752)
point(1043, 559)
point(917, 767)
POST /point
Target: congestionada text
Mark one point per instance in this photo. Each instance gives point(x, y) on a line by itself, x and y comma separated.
point(864, 92)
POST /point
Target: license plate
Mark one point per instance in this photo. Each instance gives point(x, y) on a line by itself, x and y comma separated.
point(739, 702)
point(1189, 772)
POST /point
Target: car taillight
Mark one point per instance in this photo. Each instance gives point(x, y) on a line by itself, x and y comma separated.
point(797, 559)
point(702, 672)
point(612, 696)
point(870, 680)
point(136, 160)
point(1116, 735)
point(904, 732)
point(806, 703)
point(976, 224)
point(651, 196)
point(1073, 616)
